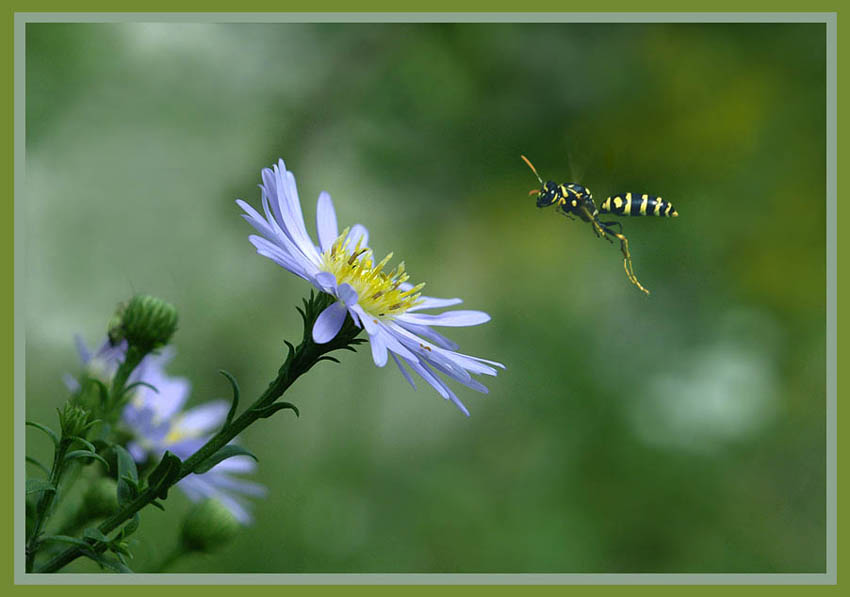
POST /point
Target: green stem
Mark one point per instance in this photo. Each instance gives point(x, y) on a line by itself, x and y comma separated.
point(45, 503)
point(299, 361)
point(131, 361)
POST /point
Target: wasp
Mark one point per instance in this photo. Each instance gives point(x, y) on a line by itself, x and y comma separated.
point(576, 201)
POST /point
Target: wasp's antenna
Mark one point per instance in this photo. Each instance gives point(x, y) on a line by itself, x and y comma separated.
point(533, 169)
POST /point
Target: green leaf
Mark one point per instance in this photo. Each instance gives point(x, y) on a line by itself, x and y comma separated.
point(224, 453)
point(32, 460)
point(95, 534)
point(85, 442)
point(126, 464)
point(103, 391)
point(120, 548)
point(36, 485)
point(266, 412)
point(105, 562)
point(66, 539)
point(165, 474)
point(86, 454)
point(47, 430)
point(235, 402)
point(91, 424)
point(131, 526)
point(156, 504)
point(128, 476)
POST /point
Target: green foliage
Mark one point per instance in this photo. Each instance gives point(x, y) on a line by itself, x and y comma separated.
point(128, 476)
point(228, 451)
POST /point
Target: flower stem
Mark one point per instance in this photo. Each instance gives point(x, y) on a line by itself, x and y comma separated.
point(298, 361)
point(45, 503)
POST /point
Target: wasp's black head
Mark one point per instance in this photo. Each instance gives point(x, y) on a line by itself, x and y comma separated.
point(548, 194)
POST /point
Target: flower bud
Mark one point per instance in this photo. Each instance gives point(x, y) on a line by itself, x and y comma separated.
point(147, 323)
point(208, 526)
point(101, 498)
point(73, 420)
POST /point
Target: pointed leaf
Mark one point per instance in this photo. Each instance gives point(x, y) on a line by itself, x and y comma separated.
point(165, 474)
point(67, 539)
point(85, 442)
point(103, 391)
point(126, 464)
point(95, 534)
point(235, 402)
point(32, 460)
point(47, 430)
point(266, 412)
point(36, 485)
point(86, 454)
point(128, 476)
point(91, 424)
point(134, 385)
point(109, 563)
point(131, 526)
point(224, 453)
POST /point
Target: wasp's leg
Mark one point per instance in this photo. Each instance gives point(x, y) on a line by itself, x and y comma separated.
point(609, 224)
point(564, 212)
point(600, 229)
point(627, 258)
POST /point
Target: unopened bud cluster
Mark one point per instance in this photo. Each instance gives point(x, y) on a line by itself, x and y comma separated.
point(146, 322)
point(73, 420)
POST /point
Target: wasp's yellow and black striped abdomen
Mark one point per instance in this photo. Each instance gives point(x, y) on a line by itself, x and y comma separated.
point(633, 204)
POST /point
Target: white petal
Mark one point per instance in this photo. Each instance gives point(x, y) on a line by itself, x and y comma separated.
point(358, 233)
point(379, 350)
point(347, 294)
point(449, 318)
point(426, 332)
point(369, 322)
point(326, 226)
point(329, 322)
point(429, 302)
point(326, 281)
point(295, 263)
point(403, 371)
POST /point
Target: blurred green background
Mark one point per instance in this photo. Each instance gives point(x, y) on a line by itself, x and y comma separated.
point(680, 432)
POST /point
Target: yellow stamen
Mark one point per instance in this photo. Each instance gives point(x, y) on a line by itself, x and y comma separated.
point(378, 292)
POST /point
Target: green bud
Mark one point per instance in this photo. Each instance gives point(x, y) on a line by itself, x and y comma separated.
point(101, 498)
point(208, 526)
point(72, 420)
point(147, 323)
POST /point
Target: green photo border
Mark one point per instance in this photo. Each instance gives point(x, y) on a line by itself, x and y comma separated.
point(12, 329)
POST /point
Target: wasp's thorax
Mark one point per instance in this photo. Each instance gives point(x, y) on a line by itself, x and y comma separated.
point(569, 195)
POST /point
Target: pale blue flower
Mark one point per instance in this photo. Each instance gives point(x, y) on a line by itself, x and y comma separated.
point(382, 302)
point(158, 423)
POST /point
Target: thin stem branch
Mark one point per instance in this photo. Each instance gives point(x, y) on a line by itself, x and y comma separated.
point(298, 362)
point(45, 503)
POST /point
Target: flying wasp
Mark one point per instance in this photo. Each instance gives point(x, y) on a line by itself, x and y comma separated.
point(574, 200)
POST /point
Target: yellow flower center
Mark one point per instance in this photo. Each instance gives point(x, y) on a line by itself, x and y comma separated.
point(378, 292)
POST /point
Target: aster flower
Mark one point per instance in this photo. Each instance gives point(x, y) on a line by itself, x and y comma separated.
point(381, 302)
point(157, 423)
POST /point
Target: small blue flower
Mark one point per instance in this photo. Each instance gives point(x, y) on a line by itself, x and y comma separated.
point(158, 423)
point(380, 301)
